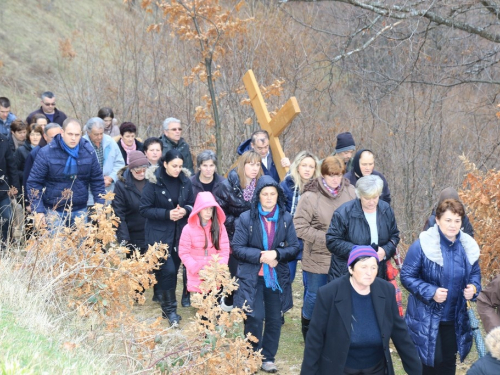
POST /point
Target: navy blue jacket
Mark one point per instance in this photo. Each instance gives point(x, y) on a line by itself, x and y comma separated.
point(247, 245)
point(47, 173)
point(292, 195)
point(155, 206)
point(349, 227)
point(427, 266)
point(7, 168)
point(271, 171)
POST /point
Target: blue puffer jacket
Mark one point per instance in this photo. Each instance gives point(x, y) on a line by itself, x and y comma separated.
point(47, 172)
point(428, 265)
point(247, 245)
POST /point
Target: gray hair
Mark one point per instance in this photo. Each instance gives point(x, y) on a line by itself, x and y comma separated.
point(206, 156)
point(94, 122)
point(168, 120)
point(51, 125)
point(48, 94)
point(369, 186)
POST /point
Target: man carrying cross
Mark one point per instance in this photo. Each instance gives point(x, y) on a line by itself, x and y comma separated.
point(259, 142)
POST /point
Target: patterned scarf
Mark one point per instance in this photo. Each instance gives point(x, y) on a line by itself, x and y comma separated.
point(128, 149)
point(248, 191)
point(71, 168)
point(270, 275)
point(332, 191)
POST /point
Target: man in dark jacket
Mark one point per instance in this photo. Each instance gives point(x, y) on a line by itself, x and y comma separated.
point(6, 116)
point(171, 139)
point(345, 148)
point(10, 179)
point(260, 143)
point(49, 110)
point(363, 164)
point(66, 168)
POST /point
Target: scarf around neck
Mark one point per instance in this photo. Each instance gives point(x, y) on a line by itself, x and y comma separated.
point(248, 191)
point(128, 149)
point(71, 167)
point(270, 275)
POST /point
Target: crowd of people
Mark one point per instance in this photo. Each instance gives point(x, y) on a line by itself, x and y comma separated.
point(334, 216)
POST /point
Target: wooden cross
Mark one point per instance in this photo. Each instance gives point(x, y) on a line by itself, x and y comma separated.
point(274, 126)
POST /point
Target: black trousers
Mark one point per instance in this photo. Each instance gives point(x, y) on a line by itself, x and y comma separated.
point(378, 369)
point(445, 357)
point(166, 276)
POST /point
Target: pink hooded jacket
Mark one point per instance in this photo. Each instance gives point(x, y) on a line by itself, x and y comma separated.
point(192, 241)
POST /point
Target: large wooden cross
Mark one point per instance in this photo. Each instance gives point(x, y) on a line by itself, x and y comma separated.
point(274, 126)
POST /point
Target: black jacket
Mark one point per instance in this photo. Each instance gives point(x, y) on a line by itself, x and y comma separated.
point(59, 117)
point(229, 195)
point(182, 147)
point(156, 204)
point(328, 338)
point(126, 205)
point(8, 168)
point(139, 146)
point(198, 187)
point(20, 157)
point(349, 227)
point(248, 243)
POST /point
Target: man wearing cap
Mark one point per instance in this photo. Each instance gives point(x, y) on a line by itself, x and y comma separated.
point(345, 149)
point(128, 189)
point(354, 318)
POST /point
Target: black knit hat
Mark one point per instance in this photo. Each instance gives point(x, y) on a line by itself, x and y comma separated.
point(345, 142)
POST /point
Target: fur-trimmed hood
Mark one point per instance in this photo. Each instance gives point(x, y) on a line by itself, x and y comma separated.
point(152, 173)
point(430, 242)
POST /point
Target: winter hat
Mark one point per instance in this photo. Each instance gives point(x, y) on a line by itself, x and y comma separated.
point(345, 142)
point(137, 159)
point(361, 251)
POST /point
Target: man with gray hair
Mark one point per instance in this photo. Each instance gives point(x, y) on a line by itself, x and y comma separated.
point(48, 109)
point(172, 139)
point(62, 174)
point(108, 153)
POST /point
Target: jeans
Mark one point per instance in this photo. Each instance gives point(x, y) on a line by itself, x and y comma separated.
point(266, 306)
point(6, 215)
point(314, 282)
point(57, 219)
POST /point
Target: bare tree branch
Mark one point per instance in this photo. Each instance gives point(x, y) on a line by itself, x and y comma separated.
point(408, 12)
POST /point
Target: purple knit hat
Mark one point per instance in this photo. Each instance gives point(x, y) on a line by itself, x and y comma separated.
point(361, 251)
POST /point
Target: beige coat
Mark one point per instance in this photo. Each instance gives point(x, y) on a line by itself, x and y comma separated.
point(312, 218)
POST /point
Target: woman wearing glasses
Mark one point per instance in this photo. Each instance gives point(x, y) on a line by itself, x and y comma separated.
point(128, 189)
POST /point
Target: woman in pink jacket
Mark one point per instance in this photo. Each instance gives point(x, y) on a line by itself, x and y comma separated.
point(204, 235)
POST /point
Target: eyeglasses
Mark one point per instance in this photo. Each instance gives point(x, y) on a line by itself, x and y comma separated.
point(175, 130)
point(49, 104)
point(140, 169)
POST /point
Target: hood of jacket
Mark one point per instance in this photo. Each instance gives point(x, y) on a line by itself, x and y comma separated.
point(263, 182)
point(153, 173)
point(430, 241)
point(244, 146)
point(316, 185)
point(203, 200)
point(355, 163)
point(121, 174)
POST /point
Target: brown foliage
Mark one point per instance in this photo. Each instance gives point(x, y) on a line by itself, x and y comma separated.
point(481, 195)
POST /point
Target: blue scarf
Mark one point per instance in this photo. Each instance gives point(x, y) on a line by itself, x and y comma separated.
point(270, 275)
point(71, 168)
